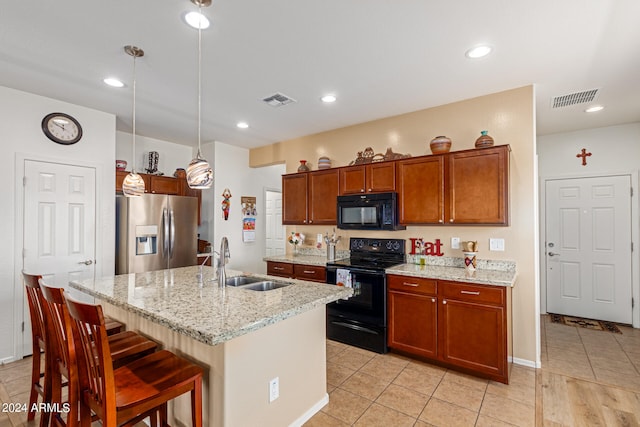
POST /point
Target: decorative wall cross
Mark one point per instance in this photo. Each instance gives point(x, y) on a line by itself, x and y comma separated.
point(584, 156)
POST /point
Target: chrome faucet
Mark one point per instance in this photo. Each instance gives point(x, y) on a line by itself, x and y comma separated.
point(223, 257)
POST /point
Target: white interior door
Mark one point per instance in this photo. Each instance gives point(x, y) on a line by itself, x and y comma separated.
point(274, 242)
point(59, 225)
point(588, 247)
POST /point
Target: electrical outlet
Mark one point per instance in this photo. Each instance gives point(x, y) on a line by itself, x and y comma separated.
point(496, 244)
point(455, 243)
point(274, 389)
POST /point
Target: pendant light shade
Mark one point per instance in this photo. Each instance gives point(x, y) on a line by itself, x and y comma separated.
point(199, 172)
point(133, 184)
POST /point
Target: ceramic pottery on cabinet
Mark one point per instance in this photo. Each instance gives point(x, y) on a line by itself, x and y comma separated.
point(440, 144)
point(484, 140)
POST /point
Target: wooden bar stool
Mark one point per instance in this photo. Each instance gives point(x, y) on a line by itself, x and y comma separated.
point(39, 342)
point(131, 392)
point(124, 346)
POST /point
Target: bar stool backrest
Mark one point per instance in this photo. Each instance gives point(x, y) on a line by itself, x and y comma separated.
point(64, 353)
point(35, 309)
point(95, 366)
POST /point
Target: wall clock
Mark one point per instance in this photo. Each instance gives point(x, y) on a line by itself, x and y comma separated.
point(62, 128)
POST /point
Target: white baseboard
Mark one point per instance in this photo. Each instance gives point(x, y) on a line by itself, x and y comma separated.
point(311, 412)
point(525, 362)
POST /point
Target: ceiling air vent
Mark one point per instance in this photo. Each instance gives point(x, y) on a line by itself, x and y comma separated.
point(574, 98)
point(278, 100)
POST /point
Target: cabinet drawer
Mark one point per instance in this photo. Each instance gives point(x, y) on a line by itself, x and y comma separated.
point(412, 284)
point(310, 272)
point(473, 293)
point(280, 269)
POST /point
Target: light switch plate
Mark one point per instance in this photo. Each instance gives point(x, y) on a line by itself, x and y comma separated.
point(496, 244)
point(455, 243)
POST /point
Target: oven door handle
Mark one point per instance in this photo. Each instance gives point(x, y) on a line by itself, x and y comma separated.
point(355, 327)
point(357, 270)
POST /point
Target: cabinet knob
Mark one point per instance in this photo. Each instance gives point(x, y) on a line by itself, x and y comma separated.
point(433, 300)
point(440, 221)
point(444, 302)
point(451, 220)
point(369, 190)
point(310, 221)
point(304, 221)
point(362, 190)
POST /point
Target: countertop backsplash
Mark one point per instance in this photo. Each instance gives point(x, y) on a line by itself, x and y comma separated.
point(482, 264)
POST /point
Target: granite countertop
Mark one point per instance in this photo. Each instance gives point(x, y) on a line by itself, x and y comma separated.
point(207, 313)
point(504, 277)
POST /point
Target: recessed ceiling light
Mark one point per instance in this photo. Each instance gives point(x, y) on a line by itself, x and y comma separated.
point(242, 125)
point(328, 99)
point(113, 82)
point(594, 109)
point(478, 51)
point(195, 19)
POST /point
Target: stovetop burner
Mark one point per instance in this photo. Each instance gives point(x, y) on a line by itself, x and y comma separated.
point(376, 254)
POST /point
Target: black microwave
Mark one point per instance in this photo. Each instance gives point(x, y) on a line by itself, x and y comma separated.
point(376, 211)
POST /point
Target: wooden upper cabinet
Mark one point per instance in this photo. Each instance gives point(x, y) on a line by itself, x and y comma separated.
point(294, 198)
point(323, 187)
point(163, 185)
point(477, 186)
point(420, 188)
point(370, 178)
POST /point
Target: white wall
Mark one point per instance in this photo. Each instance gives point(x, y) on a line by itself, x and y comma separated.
point(21, 115)
point(171, 156)
point(232, 171)
point(613, 149)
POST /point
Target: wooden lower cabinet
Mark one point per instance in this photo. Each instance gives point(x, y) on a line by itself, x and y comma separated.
point(457, 324)
point(413, 323)
point(313, 273)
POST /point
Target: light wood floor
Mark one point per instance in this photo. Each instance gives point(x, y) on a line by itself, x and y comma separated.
point(588, 378)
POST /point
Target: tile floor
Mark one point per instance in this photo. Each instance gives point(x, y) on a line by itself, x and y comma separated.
point(587, 378)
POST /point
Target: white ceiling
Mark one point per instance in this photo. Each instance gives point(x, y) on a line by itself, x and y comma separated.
point(380, 57)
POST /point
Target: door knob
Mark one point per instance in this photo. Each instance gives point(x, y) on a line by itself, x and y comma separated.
point(87, 262)
point(553, 254)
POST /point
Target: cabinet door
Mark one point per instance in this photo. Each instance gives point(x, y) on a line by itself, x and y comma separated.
point(322, 199)
point(413, 323)
point(352, 180)
point(477, 185)
point(381, 177)
point(473, 336)
point(313, 273)
point(120, 175)
point(294, 199)
point(420, 187)
point(164, 185)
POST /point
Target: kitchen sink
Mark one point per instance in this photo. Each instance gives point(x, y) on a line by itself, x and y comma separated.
point(242, 280)
point(255, 283)
point(265, 285)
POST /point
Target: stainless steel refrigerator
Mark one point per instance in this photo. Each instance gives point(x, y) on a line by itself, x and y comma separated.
point(155, 232)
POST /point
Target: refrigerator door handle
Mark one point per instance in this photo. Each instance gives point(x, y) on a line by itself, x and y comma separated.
point(173, 234)
point(165, 237)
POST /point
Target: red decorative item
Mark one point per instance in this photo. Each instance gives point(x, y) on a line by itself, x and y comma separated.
point(584, 156)
point(226, 203)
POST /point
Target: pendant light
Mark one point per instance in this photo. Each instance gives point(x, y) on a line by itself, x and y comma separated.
point(199, 172)
point(133, 184)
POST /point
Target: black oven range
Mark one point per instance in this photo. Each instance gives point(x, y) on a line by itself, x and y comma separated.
point(361, 320)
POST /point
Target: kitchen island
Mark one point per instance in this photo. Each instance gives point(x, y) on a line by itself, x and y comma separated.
point(243, 339)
